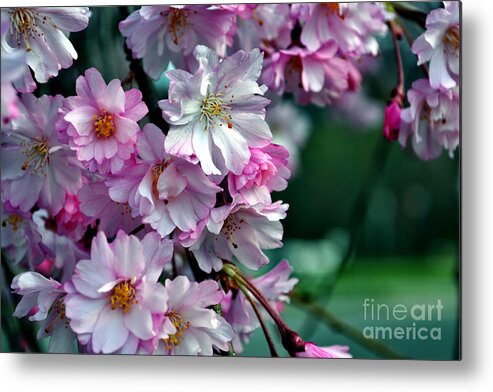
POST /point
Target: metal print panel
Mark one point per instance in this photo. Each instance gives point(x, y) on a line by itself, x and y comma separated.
point(263, 180)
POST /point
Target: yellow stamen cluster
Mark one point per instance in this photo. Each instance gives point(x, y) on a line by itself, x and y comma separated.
point(13, 220)
point(180, 325)
point(178, 23)
point(104, 125)
point(213, 107)
point(123, 296)
point(451, 39)
point(36, 153)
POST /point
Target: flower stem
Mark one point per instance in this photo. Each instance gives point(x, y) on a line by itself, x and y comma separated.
point(396, 35)
point(291, 341)
point(410, 41)
point(268, 338)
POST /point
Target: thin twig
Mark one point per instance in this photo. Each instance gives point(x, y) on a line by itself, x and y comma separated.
point(410, 41)
point(396, 34)
point(340, 326)
point(268, 338)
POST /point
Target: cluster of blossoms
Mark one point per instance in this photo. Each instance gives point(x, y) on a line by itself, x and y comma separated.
point(432, 120)
point(130, 236)
point(310, 50)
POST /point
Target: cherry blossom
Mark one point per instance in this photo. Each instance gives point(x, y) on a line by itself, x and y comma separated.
point(41, 32)
point(218, 112)
point(101, 122)
point(115, 292)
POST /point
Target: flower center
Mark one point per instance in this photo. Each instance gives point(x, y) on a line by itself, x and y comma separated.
point(213, 107)
point(104, 125)
point(180, 325)
point(425, 114)
point(177, 23)
point(13, 220)
point(452, 39)
point(59, 308)
point(25, 23)
point(37, 156)
point(123, 296)
point(294, 69)
point(231, 225)
point(156, 173)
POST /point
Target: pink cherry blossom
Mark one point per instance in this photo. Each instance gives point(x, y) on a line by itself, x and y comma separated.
point(432, 120)
point(239, 231)
point(314, 351)
point(162, 33)
point(101, 122)
point(113, 295)
point(42, 33)
point(440, 45)
point(36, 290)
point(42, 300)
point(188, 326)
point(167, 192)
point(351, 26)
point(264, 26)
point(36, 167)
point(318, 77)
point(218, 112)
point(265, 172)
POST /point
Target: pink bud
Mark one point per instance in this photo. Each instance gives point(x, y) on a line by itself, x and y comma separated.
point(392, 121)
point(45, 267)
